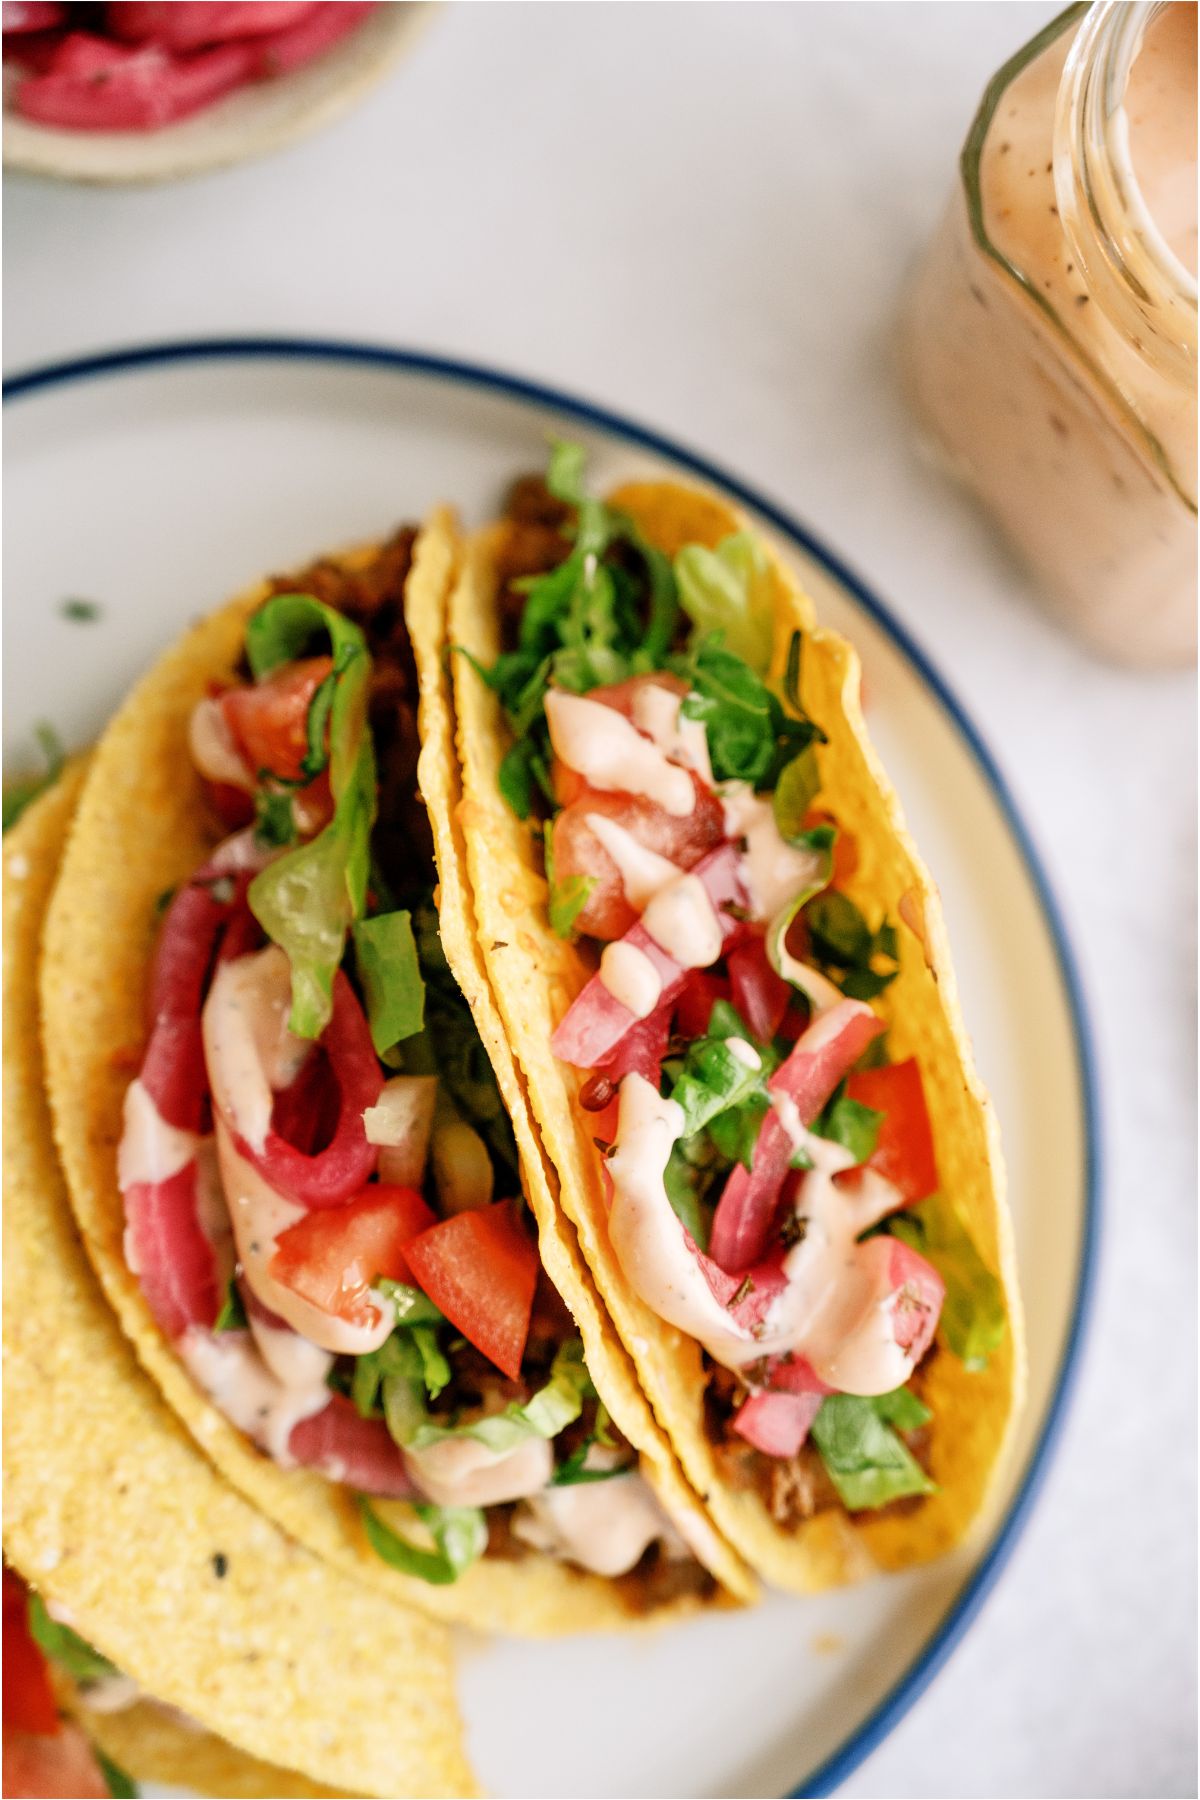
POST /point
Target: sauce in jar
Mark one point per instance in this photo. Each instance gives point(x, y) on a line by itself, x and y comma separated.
point(1050, 341)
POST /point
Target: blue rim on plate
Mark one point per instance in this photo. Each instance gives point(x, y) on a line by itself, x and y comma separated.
point(892, 1708)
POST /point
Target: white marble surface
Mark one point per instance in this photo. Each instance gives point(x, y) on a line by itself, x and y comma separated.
point(703, 214)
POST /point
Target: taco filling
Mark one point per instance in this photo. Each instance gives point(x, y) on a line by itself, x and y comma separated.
point(765, 1160)
point(322, 1194)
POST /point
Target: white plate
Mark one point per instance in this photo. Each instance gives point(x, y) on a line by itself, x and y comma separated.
point(156, 483)
point(262, 116)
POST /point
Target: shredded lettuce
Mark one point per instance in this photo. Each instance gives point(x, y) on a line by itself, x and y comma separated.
point(390, 973)
point(974, 1317)
point(866, 1461)
point(73, 1654)
point(574, 1471)
point(554, 1406)
point(459, 1534)
point(730, 590)
point(307, 900)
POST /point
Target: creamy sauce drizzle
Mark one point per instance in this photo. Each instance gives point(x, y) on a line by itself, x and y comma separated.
point(603, 1526)
point(658, 712)
point(630, 977)
point(643, 872)
point(213, 747)
point(464, 1472)
point(836, 1309)
point(259, 1215)
point(249, 1051)
point(772, 871)
point(227, 1367)
point(610, 753)
point(150, 1150)
point(682, 921)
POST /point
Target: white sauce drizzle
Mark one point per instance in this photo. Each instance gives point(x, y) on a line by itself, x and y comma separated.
point(682, 921)
point(658, 712)
point(110, 1693)
point(743, 1052)
point(213, 747)
point(464, 1472)
point(836, 1309)
point(150, 1150)
point(228, 1368)
point(647, 1236)
point(603, 1526)
point(248, 1049)
point(772, 871)
point(630, 977)
point(291, 1358)
point(610, 753)
point(259, 1215)
point(643, 872)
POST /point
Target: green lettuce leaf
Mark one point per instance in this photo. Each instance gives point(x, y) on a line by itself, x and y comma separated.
point(730, 590)
point(867, 1463)
point(974, 1316)
point(390, 973)
point(714, 1080)
point(73, 1654)
point(307, 900)
point(851, 1124)
point(459, 1533)
point(232, 1316)
point(554, 1406)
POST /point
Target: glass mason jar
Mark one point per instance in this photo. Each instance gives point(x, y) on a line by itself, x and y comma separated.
point(1050, 340)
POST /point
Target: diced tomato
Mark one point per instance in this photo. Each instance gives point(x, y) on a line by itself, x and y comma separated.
point(269, 719)
point(29, 1703)
point(595, 1023)
point(761, 996)
point(693, 1010)
point(777, 1424)
point(181, 26)
point(481, 1268)
point(168, 1249)
point(92, 84)
point(579, 852)
point(845, 850)
point(355, 1452)
point(332, 1257)
point(32, 15)
point(62, 1767)
point(746, 1210)
point(903, 1151)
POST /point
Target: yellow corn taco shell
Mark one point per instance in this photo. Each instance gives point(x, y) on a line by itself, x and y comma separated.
point(535, 975)
point(152, 1743)
point(140, 829)
point(114, 1516)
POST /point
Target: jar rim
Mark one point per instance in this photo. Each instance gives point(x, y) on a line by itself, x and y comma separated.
point(1112, 230)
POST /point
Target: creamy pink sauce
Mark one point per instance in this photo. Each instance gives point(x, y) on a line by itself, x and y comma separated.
point(1067, 471)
